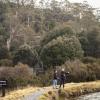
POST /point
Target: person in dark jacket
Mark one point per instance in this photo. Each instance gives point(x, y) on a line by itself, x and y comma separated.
point(62, 78)
point(55, 79)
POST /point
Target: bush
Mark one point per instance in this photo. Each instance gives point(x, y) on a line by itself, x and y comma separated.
point(25, 56)
point(90, 42)
point(88, 60)
point(98, 61)
point(56, 33)
point(4, 54)
point(62, 94)
point(94, 70)
point(17, 76)
point(60, 50)
point(82, 72)
point(6, 62)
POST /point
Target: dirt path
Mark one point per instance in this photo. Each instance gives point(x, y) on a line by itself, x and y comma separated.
point(18, 94)
point(36, 95)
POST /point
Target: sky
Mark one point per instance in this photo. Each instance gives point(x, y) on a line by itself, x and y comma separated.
point(93, 3)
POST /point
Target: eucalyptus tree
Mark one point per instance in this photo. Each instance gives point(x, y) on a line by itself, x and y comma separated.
point(19, 16)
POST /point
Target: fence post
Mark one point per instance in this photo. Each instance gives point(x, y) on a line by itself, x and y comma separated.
point(3, 90)
point(3, 86)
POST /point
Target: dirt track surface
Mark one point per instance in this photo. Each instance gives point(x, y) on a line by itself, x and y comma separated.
point(35, 95)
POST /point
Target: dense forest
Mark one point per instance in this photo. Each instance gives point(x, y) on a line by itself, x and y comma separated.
point(46, 35)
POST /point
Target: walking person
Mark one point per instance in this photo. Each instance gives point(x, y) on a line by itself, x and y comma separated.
point(55, 80)
point(62, 78)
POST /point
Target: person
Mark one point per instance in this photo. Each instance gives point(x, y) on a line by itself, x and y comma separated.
point(67, 77)
point(55, 80)
point(62, 78)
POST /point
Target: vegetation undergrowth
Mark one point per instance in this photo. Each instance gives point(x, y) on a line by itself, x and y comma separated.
point(72, 90)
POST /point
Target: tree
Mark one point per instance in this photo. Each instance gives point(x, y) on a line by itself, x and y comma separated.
point(19, 17)
point(84, 18)
point(61, 48)
point(4, 54)
point(3, 36)
point(2, 11)
point(91, 42)
point(60, 31)
point(25, 56)
point(94, 43)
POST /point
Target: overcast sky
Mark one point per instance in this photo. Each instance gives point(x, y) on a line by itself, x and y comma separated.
point(93, 3)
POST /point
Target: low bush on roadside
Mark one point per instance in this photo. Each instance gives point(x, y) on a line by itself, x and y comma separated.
point(88, 60)
point(80, 71)
point(6, 62)
point(17, 76)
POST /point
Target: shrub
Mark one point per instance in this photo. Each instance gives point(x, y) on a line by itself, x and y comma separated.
point(19, 75)
point(25, 56)
point(60, 50)
point(6, 62)
point(82, 72)
point(90, 42)
point(62, 94)
point(3, 52)
point(94, 70)
point(88, 60)
point(22, 74)
point(55, 34)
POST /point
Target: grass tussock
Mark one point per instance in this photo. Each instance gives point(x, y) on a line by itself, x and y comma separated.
point(50, 95)
point(18, 94)
point(73, 90)
point(77, 89)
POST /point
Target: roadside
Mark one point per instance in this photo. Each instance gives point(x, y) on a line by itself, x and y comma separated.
point(17, 94)
point(36, 95)
point(92, 96)
point(72, 90)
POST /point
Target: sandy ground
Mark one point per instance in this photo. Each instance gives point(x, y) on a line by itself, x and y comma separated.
point(29, 93)
point(17, 94)
point(35, 95)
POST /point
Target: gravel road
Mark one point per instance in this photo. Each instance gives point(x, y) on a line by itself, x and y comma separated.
point(35, 95)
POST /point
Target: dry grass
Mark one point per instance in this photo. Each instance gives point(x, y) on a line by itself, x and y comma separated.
point(18, 94)
point(77, 89)
point(74, 90)
point(70, 90)
point(48, 95)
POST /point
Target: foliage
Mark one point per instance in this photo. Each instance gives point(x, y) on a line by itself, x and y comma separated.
point(88, 60)
point(3, 52)
point(91, 43)
point(60, 49)
point(94, 43)
point(2, 11)
point(6, 62)
point(24, 55)
point(82, 72)
point(56, 33)
point(49, 31)
point(3, 35)
point(19, 75)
